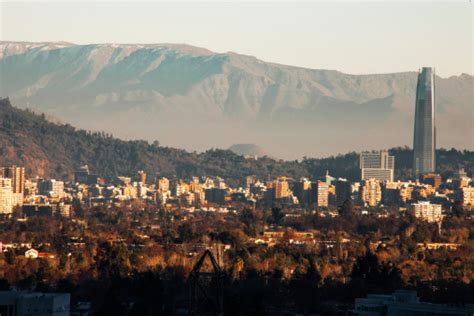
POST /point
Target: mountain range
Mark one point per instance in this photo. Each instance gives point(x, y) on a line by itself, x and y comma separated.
point(195, 99)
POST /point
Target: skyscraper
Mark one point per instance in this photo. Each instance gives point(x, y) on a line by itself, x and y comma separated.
point(424, 139)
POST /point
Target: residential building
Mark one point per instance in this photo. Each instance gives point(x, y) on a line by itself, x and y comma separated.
point(370, 192)
point(51, 187)
point(424, 138)
point(320, 193)
point(282, 189)
point(17, 175)
point(467, 196)
point(426, 211)
point(432, 179)
point(404, 303)
point(377, 165)
point(215, 195)
point(301, 190)
point(6, 196)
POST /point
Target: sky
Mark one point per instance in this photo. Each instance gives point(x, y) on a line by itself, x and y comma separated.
point(352, 37)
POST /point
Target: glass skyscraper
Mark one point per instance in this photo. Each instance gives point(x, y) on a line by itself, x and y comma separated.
point(424, 140)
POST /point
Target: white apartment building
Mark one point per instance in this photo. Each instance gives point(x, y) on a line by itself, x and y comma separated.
point(6, 196)
point(426, 211)
point(468, 196)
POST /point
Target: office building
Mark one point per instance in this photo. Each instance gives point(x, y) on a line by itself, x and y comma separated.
point(17, 175)
point(215, 195)
point(163, 185)
point(426, 211)
point(377, 165)
point(319, 193)
point(6, 196)
point(301, 190)
point(343, 191)
point(82, 174)
point(52, 187)
point(424, 137)
point(370, 192)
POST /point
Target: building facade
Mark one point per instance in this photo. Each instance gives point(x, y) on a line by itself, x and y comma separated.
point(426, 211)
point(320, 193)
point(6, 196)
point(424, 137)
point(370, 192)
point(343, 191)
point(17, 176)
point(377, 165)
point(467, 197)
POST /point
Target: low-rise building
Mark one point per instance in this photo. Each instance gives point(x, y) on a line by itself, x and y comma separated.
point(13, 303)
point(404, 303)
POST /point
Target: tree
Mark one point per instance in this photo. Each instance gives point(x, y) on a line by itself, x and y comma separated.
point(277, 215)
point(186, 232)
point(347, 208)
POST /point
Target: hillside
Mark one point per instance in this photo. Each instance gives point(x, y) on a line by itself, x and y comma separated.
point(141, 91)
point(248, 150)
point(56, 150)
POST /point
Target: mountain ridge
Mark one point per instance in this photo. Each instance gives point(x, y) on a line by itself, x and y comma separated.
point(139, 91)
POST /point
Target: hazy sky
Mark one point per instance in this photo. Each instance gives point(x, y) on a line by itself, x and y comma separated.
point(353, 37)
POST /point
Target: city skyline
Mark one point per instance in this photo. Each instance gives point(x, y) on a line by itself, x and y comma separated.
point(207, 157)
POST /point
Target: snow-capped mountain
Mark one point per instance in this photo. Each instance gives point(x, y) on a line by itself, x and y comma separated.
point(194, 98)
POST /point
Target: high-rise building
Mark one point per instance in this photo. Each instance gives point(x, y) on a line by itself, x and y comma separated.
point(282, 188)
point(17, 175)
point(424, 137)
point(320, 193)
point(370, 192)
point(6, 196)
point(343, 191)
point(51, 187)
point(301, 190)
point(82, 174)
point(377, 165)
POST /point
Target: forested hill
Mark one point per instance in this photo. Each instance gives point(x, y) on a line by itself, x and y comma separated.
point(56, 150)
